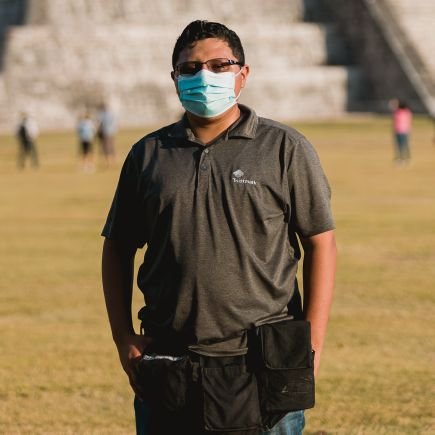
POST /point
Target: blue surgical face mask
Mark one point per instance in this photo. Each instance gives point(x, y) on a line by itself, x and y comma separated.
point(207, 94)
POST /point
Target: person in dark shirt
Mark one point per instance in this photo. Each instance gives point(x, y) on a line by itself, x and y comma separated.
point(27, 133)
point(223, 200)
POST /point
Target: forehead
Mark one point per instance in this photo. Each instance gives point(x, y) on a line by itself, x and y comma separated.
point(206, 49)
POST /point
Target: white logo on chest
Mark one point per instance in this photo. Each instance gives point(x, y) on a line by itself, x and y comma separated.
point(237, 177)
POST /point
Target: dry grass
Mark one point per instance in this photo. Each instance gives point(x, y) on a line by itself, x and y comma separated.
point(59, 372)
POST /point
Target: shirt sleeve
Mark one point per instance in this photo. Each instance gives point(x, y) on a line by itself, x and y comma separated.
point(125, 221)
point(310, 193)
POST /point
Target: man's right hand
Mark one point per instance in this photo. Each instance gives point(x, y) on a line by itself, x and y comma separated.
point(130, 350)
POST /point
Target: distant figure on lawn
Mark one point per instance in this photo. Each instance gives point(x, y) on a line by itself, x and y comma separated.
point(402, 123)
point(27, 133)
point(106, 133)
point(86, 131)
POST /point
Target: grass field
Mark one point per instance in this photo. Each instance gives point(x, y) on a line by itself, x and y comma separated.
point(59, 372)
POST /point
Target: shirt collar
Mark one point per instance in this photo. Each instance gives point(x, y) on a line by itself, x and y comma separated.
point(245, 127)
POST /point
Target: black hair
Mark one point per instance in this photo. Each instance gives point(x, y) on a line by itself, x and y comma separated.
point(402, 104)
point(203, 29)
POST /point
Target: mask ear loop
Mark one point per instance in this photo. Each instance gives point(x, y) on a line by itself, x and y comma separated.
point(240, 91)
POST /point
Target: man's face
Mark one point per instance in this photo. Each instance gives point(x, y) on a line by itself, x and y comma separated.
point(213, 48)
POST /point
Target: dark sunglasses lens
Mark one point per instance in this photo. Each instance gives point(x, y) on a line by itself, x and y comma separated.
point(219, 65)
point(189, 68)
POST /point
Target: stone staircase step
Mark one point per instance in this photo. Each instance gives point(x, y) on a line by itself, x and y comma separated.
point(85, 12)
point(412, 7)
point(300, 44)
point(304, 93)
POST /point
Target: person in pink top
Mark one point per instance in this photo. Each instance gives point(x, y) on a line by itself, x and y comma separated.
point(402, 123)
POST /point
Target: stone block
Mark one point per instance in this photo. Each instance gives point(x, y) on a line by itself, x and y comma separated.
point(304, 93)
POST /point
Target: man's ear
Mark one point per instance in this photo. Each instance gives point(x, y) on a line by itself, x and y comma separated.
point(174, 80)
point(244, 73)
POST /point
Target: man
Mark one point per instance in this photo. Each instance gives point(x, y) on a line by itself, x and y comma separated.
point(106, 133)
point(86, 134)
point(27, 133)
point(220, 199)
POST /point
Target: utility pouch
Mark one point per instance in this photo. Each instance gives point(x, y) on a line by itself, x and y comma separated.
point(285, 374)
point(164, 380)
point(230, 399)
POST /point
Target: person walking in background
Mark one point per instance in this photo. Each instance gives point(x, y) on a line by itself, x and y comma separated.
point(27, 133)
point(402, 123)
point(106, 133)
point(86, 131)
point(224, 201)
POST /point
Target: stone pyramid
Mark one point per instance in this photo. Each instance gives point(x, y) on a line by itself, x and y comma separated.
point(68, 54)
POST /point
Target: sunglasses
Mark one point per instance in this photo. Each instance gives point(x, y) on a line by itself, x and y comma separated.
point(218, 65)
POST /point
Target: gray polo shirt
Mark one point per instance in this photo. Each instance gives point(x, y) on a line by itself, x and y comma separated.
point(220, 223)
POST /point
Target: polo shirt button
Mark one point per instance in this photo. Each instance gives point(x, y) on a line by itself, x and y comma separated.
point(204, 167)
point(206, 151)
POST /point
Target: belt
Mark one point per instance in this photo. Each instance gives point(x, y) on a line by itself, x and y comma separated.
point(217, 361)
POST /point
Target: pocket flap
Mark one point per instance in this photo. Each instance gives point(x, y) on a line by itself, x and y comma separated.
point(286, 344)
